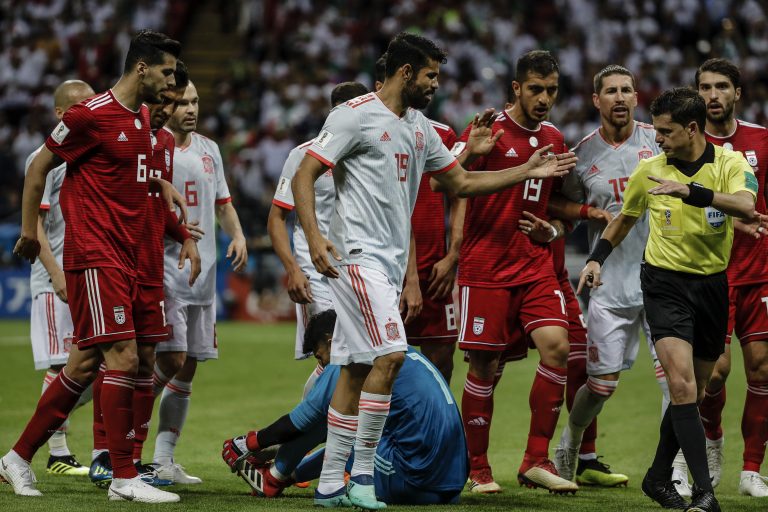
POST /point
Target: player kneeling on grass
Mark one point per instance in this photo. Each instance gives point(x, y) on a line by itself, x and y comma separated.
point(421, 458)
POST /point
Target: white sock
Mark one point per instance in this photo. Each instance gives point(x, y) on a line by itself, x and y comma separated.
point(680, 464)
point(174, 405)
point(587, 404)
point(159, 380)
point(338, 447)
point(374, 410)
point(57, 443)
point(661, 379)
point(15, 458)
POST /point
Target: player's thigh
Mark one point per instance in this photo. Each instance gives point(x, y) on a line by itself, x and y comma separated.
point(756, 360)
point(368, 323)
point(613, 338)
point(149, 314)
point(436, 325)
point(176, 315)
point(50, 331)
point(202, 343)
point(709, 298)
point(750, 305)
point(486, 319)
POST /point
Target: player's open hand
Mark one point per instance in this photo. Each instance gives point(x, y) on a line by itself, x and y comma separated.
point(189, 252)
point(755, 227)
point(298, 287)
point(238, 252)
point(59, 284)
point(319, 247)
point(442, 277)
point(481, 139)
point(536, 229)
point(590, 276)
point(599, 214)
point(544, 164)
point(172, 197)
point(668, 188)
point(27, 247)
point(194, 230)
point(411, 301)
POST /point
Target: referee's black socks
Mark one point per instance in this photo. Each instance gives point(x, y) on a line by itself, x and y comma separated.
point(690, 435)
point(661, 468)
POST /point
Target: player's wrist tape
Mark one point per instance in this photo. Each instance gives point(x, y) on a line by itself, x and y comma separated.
point(601, 252)
point(699, 196)
point(584, 211)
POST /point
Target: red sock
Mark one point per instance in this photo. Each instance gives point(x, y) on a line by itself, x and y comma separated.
point(545, 400)
point(577, 376)
point(477, 411)
point(52, 410)
point(711, 409)
point(117, 408)
point(754, 425)
point(143, 401)
point(99, 434)
point(252, 441)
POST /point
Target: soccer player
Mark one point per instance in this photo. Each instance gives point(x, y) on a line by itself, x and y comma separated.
point(508, 283)
point(691, 192)
point(378, 146)
point(422, 456)
point(51, 322)
point(198, 172)
point(719, 83)
point(106, 144)
point(306, 287)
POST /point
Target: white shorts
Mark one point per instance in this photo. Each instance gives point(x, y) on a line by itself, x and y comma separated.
point(368, 323)
point(613, 338)
point(51, 331)
point(192, 330)
point(321, 301)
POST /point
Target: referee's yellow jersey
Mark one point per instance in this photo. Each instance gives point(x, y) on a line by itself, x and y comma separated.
point(686, 238)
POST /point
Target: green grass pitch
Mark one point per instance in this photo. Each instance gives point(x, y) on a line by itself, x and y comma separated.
point(256, 380)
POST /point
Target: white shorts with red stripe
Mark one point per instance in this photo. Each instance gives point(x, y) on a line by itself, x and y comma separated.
point(368, 323)
point(191, 329)
point(321, 301)
point(613, 338)
point(51, 331)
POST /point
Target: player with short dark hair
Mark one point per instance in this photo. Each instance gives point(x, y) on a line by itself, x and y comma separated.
point(692, 192)
point(719, 83)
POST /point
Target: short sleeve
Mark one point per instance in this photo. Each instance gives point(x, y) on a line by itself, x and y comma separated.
point(313, 409)
point(741, 176)
point(572, 187)
point(439, 157)
point(222, 189)
point(283, 193)
point(339, 137)
point(75, 135)
point(449, 139)
point(635, 195)
point(461, 145)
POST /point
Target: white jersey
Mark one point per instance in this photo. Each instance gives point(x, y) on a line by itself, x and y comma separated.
point(325, 193)
point(378, 160)
point(198, 173)
point(40, 280)
point(599, 179)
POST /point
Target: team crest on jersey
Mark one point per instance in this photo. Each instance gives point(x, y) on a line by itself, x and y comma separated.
point(119, 314)
point(419, 141)
point(393, 332)
point(593, 170)
point(593, 355)
point(644, 153)
point(533, 141)
point(715, 217)
point(137, 124)
point(477, 325)
point(68, 342)
point(207, 164)
point(751, 158)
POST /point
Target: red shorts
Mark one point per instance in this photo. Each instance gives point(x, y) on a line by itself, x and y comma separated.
point(492, 318)
point(101, 301)
point(748, 313)
point(436, 323)
point(577, 329)
point(149, 314)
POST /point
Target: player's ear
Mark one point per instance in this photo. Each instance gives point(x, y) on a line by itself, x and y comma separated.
point(596, 100)
point(407, 71)
point(516, 88)
point(141, 68)
point(737, 96)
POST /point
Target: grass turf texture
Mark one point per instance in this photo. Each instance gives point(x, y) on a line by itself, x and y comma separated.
point(256, 380)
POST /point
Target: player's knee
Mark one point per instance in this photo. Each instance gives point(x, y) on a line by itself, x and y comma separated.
point(555, 355)
point(390, 364)
point(682, 389)
point(483, 363)
point(170, 362)
point(602, 388)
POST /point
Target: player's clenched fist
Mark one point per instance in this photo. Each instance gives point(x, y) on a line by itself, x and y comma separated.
point(319, 247)
point(27, 248)
point(590, 275)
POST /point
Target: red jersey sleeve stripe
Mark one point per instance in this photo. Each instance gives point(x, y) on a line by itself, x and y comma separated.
point(224, 200)
point(444, 169)
point(322, 160)
point(284, 206)
point(45, 206)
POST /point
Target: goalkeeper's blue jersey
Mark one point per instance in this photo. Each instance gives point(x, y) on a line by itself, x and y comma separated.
point(423, 439)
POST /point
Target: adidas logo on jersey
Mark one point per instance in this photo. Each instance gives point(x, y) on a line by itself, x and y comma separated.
point(477, 422)
point(122, 137)
point(593, 170)
point(385, 137)
point(511, 153)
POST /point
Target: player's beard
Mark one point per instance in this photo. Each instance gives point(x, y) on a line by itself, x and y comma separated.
point(724, 114)
point(413, 96)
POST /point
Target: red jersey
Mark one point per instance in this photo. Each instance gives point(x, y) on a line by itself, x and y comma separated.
point(104, 195)
point(495, 253)
point(428, 218)
point(151, 249)
point(749, 257)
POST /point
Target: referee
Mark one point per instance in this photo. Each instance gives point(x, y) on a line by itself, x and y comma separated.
point(692, 191)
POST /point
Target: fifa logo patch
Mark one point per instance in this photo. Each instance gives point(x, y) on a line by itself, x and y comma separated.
point(393, 332)
point(207, 164)
point(477, 325)
point(419, 141)
point(119, 314)
point(715, 217)
point(668, 217)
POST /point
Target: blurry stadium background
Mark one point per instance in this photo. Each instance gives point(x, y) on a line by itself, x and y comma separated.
point(264, 70)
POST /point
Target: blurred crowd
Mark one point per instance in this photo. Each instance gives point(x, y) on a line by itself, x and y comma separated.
point(275, 91)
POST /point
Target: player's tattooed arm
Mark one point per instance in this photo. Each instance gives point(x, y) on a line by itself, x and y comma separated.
point(411, 300)
point(230, 223)
point(298, 285)
point(613, 235)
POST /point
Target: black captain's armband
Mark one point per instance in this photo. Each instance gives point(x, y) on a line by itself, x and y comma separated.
point(602, 250)
point(699, 195)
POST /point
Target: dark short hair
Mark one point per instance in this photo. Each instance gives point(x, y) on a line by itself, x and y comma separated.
point(723, 67)
point(149, 46)
point(181, 75)
point(345, 91)
point(613, 69)
point(540, 62)
point(683, 105)
point(412, 49)
point(319, 327)
point(380, 72)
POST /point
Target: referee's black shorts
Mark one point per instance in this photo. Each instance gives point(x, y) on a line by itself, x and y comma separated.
point(691, 307)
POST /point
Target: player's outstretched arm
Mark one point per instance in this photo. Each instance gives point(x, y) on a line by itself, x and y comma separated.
point(614, 234)
point(561, 207)
point(230, 223)
point(740, 204)
point(303, 187)
point(28, 246)
point(298, 285)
